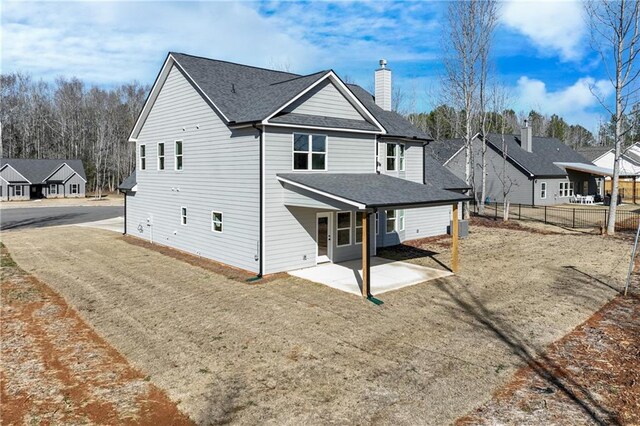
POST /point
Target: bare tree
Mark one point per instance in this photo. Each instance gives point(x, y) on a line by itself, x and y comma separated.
point(467, 42)
point(499, 101)
point(615, 36)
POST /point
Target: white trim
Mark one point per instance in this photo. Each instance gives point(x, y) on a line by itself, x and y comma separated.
point(350, 229)
point(6, 181)
point(13, 168)
point(71, 189)
point(386, 221)
point(75, 172)
point(401, 214)
point(21, 186)
point(355, 228)
point(164, 155)
point(53, 185)
point(183, 216)
point(175, 155)
point(452, 157)
point(140, 157)
point(330, 129)
point(344, 90)
point(221, 221)
point(329, 217)
point(546, 187)
point(309, 152)
point(326, 194)
point(155, 90)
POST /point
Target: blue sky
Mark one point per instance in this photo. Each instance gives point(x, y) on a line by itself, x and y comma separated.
point(541, 51)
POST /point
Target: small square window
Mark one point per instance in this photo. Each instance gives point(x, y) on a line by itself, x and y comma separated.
point(309, 152)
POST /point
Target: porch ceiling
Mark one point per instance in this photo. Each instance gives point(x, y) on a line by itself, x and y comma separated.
point(586, 168)
point(370, 190)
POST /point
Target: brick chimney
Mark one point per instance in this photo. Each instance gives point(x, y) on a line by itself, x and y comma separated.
point(526, 138)
point(383, 86)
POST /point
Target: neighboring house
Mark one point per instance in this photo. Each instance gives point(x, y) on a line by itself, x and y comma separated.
point(26, 179)
point(271, 171)
point(537, 170)
point(603, 156)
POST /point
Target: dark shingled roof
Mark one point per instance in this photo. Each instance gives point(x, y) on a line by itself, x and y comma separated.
point(443, 149)
point(439, 176)
point(544, 152)
point(246, 94)
point(321, 121)
point(36, 170)
point(591, 153)
point(375, 190)
point(129, 182)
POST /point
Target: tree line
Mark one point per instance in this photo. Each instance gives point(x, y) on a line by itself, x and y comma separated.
point(67, 118)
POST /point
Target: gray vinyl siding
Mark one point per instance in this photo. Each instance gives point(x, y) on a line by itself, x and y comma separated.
point(4, 187)
point(325, 100)
point(62, 174)
point(11, 175)
point(75, 179)
point(290, 231)
point(57, 193)
point(220, 173)
point(10, 191)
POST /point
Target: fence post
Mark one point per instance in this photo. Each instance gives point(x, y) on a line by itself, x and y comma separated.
point(574, 218)
point(519, 211)
point(605, 220)
point(495, 215)
point(545, 214)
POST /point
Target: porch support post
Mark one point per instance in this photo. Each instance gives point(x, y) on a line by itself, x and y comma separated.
point(454, 235)
point(366, 255)
point(634, 190)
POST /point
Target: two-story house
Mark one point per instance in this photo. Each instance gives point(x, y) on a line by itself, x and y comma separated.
point(270, 171)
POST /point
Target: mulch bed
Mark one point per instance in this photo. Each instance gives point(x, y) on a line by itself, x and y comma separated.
point(57, 370)
point(590, 376)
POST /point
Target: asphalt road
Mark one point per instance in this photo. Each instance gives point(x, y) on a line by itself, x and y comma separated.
point(54, 216)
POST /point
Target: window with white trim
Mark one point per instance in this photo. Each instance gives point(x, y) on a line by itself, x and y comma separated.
point(17, 191)
point(343, 228)
point(160, 155)
point(571, 189)
point(566, 189)
point(309, 152)
point(143, 157)
point(543, 190)
point(53, 189)
point(358, 237)
point(75, 188)
point(395, 156)
point(401, 148)
point(400, 220)
point(377, 223)
point(177, 164)
point(183, 215)
point(391, 221)
point(216, 221)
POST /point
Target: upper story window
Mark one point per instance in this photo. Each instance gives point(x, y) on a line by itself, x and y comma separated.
point(161, 156)
point(178, 155)
point(309, 152)
point(143, 157)
point(395, 157)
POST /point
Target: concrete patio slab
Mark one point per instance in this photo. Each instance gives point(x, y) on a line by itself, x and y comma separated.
point(386, 275)
point(115, 224)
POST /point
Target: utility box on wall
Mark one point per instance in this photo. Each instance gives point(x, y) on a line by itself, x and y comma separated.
point(463, 228)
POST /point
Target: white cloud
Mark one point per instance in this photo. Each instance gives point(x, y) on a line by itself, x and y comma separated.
point(575, 103)
point(556, 25)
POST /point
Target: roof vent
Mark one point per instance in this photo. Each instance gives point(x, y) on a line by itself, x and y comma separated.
point(383, 63)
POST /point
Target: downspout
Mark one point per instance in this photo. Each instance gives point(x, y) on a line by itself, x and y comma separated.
point(533, 191)
point(125, 212)
point(261, 206)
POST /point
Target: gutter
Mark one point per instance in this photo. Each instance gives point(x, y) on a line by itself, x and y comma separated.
point(261, 205)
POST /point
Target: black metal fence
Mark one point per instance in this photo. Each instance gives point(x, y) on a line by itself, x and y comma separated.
point(566, 216)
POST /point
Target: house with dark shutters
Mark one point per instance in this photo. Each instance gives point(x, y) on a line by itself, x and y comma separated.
point(271, 171)
point(27, 179)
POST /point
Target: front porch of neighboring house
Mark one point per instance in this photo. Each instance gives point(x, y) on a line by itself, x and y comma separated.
point(347, 216)
point(585, 180)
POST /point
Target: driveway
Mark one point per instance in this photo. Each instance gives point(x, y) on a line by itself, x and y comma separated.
point(289, 351)
point(11, 219)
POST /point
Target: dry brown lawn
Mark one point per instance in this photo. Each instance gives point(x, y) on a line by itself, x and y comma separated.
point(291, 352)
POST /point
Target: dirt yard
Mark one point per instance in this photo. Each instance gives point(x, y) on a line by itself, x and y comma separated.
point(57, 370)
point(289, 351)
point(589, 376)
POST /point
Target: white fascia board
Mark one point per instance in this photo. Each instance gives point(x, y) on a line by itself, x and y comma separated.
point(323, 193)
point(6, 181)
point(336, 129)
point(155, 90)
point(13, 168)
point(344, 90)
point(452, 157)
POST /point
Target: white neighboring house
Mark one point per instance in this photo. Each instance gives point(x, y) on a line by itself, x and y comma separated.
point(270, 171)
point(603, 156)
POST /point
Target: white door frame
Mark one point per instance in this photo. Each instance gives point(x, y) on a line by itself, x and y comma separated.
point(329, 256)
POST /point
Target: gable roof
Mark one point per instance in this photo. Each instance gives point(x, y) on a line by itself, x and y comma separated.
point(37, 170)
point(129, 183)
point(592, 153)
point(443, 149)
point(544, 153)
point(244, 94)
point(438, 176)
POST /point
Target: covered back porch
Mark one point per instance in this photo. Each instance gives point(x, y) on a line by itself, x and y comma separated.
point(342, 199)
